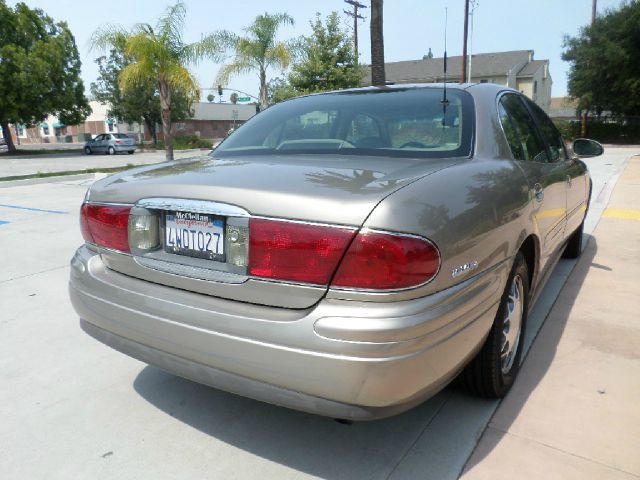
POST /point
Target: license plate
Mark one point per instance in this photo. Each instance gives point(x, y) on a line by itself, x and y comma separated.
point(195, 235)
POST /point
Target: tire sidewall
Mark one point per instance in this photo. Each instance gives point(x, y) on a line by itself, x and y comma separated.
point(502, 382)
point(111, 151)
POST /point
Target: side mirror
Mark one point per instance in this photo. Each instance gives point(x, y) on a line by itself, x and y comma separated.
point(583, 147)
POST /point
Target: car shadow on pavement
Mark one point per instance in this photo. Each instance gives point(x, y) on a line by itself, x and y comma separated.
point(308, 443)
point(535, 368)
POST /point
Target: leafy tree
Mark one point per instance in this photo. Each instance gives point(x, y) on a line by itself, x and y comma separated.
point(325, 61)
point(138, 102)
point(257, 51)
point(279, 89)
point(39, 70)
point(377, 44)
point(160, 54)
point(605, 62)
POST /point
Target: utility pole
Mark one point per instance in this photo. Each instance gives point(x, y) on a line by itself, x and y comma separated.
point(356, 16)
point(474, 5)
point(463, 74)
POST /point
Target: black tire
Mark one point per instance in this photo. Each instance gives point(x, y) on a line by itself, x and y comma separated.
point(87, 150)
point(130, 152)
point(574, 245)
point(491, 373)
point(111, 151)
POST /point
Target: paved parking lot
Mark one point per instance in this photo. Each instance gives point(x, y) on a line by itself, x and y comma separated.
point(58, 162)
point(72, 408)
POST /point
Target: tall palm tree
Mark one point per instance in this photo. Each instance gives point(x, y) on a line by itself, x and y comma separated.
point(377, 44)
point(160, 53)
point(258, 50)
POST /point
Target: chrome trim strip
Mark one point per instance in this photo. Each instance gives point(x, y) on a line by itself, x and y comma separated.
point(195, 206)
point(307, 222)
point(201, 273)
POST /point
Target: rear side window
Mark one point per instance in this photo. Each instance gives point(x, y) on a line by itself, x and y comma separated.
point(530, 145)
point(550, 132)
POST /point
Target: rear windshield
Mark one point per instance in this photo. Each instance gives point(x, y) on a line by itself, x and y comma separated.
point(386, 122)
point(119, 135)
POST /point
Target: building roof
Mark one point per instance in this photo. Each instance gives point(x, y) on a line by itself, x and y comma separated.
point(532, 67)
point(483, 65)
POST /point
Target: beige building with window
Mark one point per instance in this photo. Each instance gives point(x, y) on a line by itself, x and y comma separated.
point(515, 69)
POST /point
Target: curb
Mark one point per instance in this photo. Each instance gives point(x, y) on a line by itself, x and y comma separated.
point(54, 179)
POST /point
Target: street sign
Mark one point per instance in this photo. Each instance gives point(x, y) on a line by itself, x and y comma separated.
point(244, 99)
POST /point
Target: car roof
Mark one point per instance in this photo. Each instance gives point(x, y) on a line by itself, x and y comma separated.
point(476, 88)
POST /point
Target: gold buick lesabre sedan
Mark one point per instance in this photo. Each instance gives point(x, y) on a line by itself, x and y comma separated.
point(347, 254)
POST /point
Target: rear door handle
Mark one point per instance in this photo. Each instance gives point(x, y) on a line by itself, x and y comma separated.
point(538, 192)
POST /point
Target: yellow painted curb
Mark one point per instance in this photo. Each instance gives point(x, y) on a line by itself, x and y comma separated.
point(622, 213)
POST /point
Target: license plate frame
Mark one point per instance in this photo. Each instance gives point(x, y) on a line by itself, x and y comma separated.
point(184, 233)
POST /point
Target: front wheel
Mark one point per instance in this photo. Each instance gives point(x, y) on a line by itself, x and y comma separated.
point(111, 151)
point(494, 369)
point(87, 150)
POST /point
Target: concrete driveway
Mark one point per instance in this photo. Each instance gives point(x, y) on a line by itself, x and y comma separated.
point(73, 408)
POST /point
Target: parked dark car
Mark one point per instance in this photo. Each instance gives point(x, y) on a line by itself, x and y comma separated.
point(110, 143)
point(347, 254)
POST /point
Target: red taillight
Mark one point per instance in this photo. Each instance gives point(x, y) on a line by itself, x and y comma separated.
point(294, 251)
point(105, 225)
point(385, 261)
point(118, 142)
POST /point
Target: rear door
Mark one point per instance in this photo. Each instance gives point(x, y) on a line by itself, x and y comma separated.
point(546, 177)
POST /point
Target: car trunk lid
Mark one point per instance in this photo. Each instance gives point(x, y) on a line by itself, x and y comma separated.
point(337, 190)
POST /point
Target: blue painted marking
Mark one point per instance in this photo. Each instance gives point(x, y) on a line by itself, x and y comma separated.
point(2, 222)
point(18, 207)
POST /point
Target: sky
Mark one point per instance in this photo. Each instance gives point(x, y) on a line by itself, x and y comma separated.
point(411, 27)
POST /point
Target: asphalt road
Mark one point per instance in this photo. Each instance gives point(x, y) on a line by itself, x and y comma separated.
point(71, 407)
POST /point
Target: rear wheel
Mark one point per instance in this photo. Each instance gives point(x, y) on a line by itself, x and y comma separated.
point(111, 151)
point(130, 152)
point(494, 369)
point(87, 150)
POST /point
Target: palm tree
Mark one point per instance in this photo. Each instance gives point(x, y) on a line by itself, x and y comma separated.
point(257, 51)
point(160, 53)
point(377, 44)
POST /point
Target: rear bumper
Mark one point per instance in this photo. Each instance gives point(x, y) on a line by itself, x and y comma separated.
point(124, 148)
point(342, 359)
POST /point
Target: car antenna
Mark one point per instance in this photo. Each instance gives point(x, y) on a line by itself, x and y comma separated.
point(445, 100)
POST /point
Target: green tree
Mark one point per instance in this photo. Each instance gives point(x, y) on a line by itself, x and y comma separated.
point(326, 59)
point(137, 103)
point(605, 62)
point(257, 51)
point(39, 70)
point(377, 44)
point(161, 54)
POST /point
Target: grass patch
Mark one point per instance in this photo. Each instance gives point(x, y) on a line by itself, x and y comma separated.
point(181, 143)
point(23, 152)
point(70, 172)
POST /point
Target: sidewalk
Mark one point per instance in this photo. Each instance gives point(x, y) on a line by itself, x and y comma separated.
point(574, 412)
